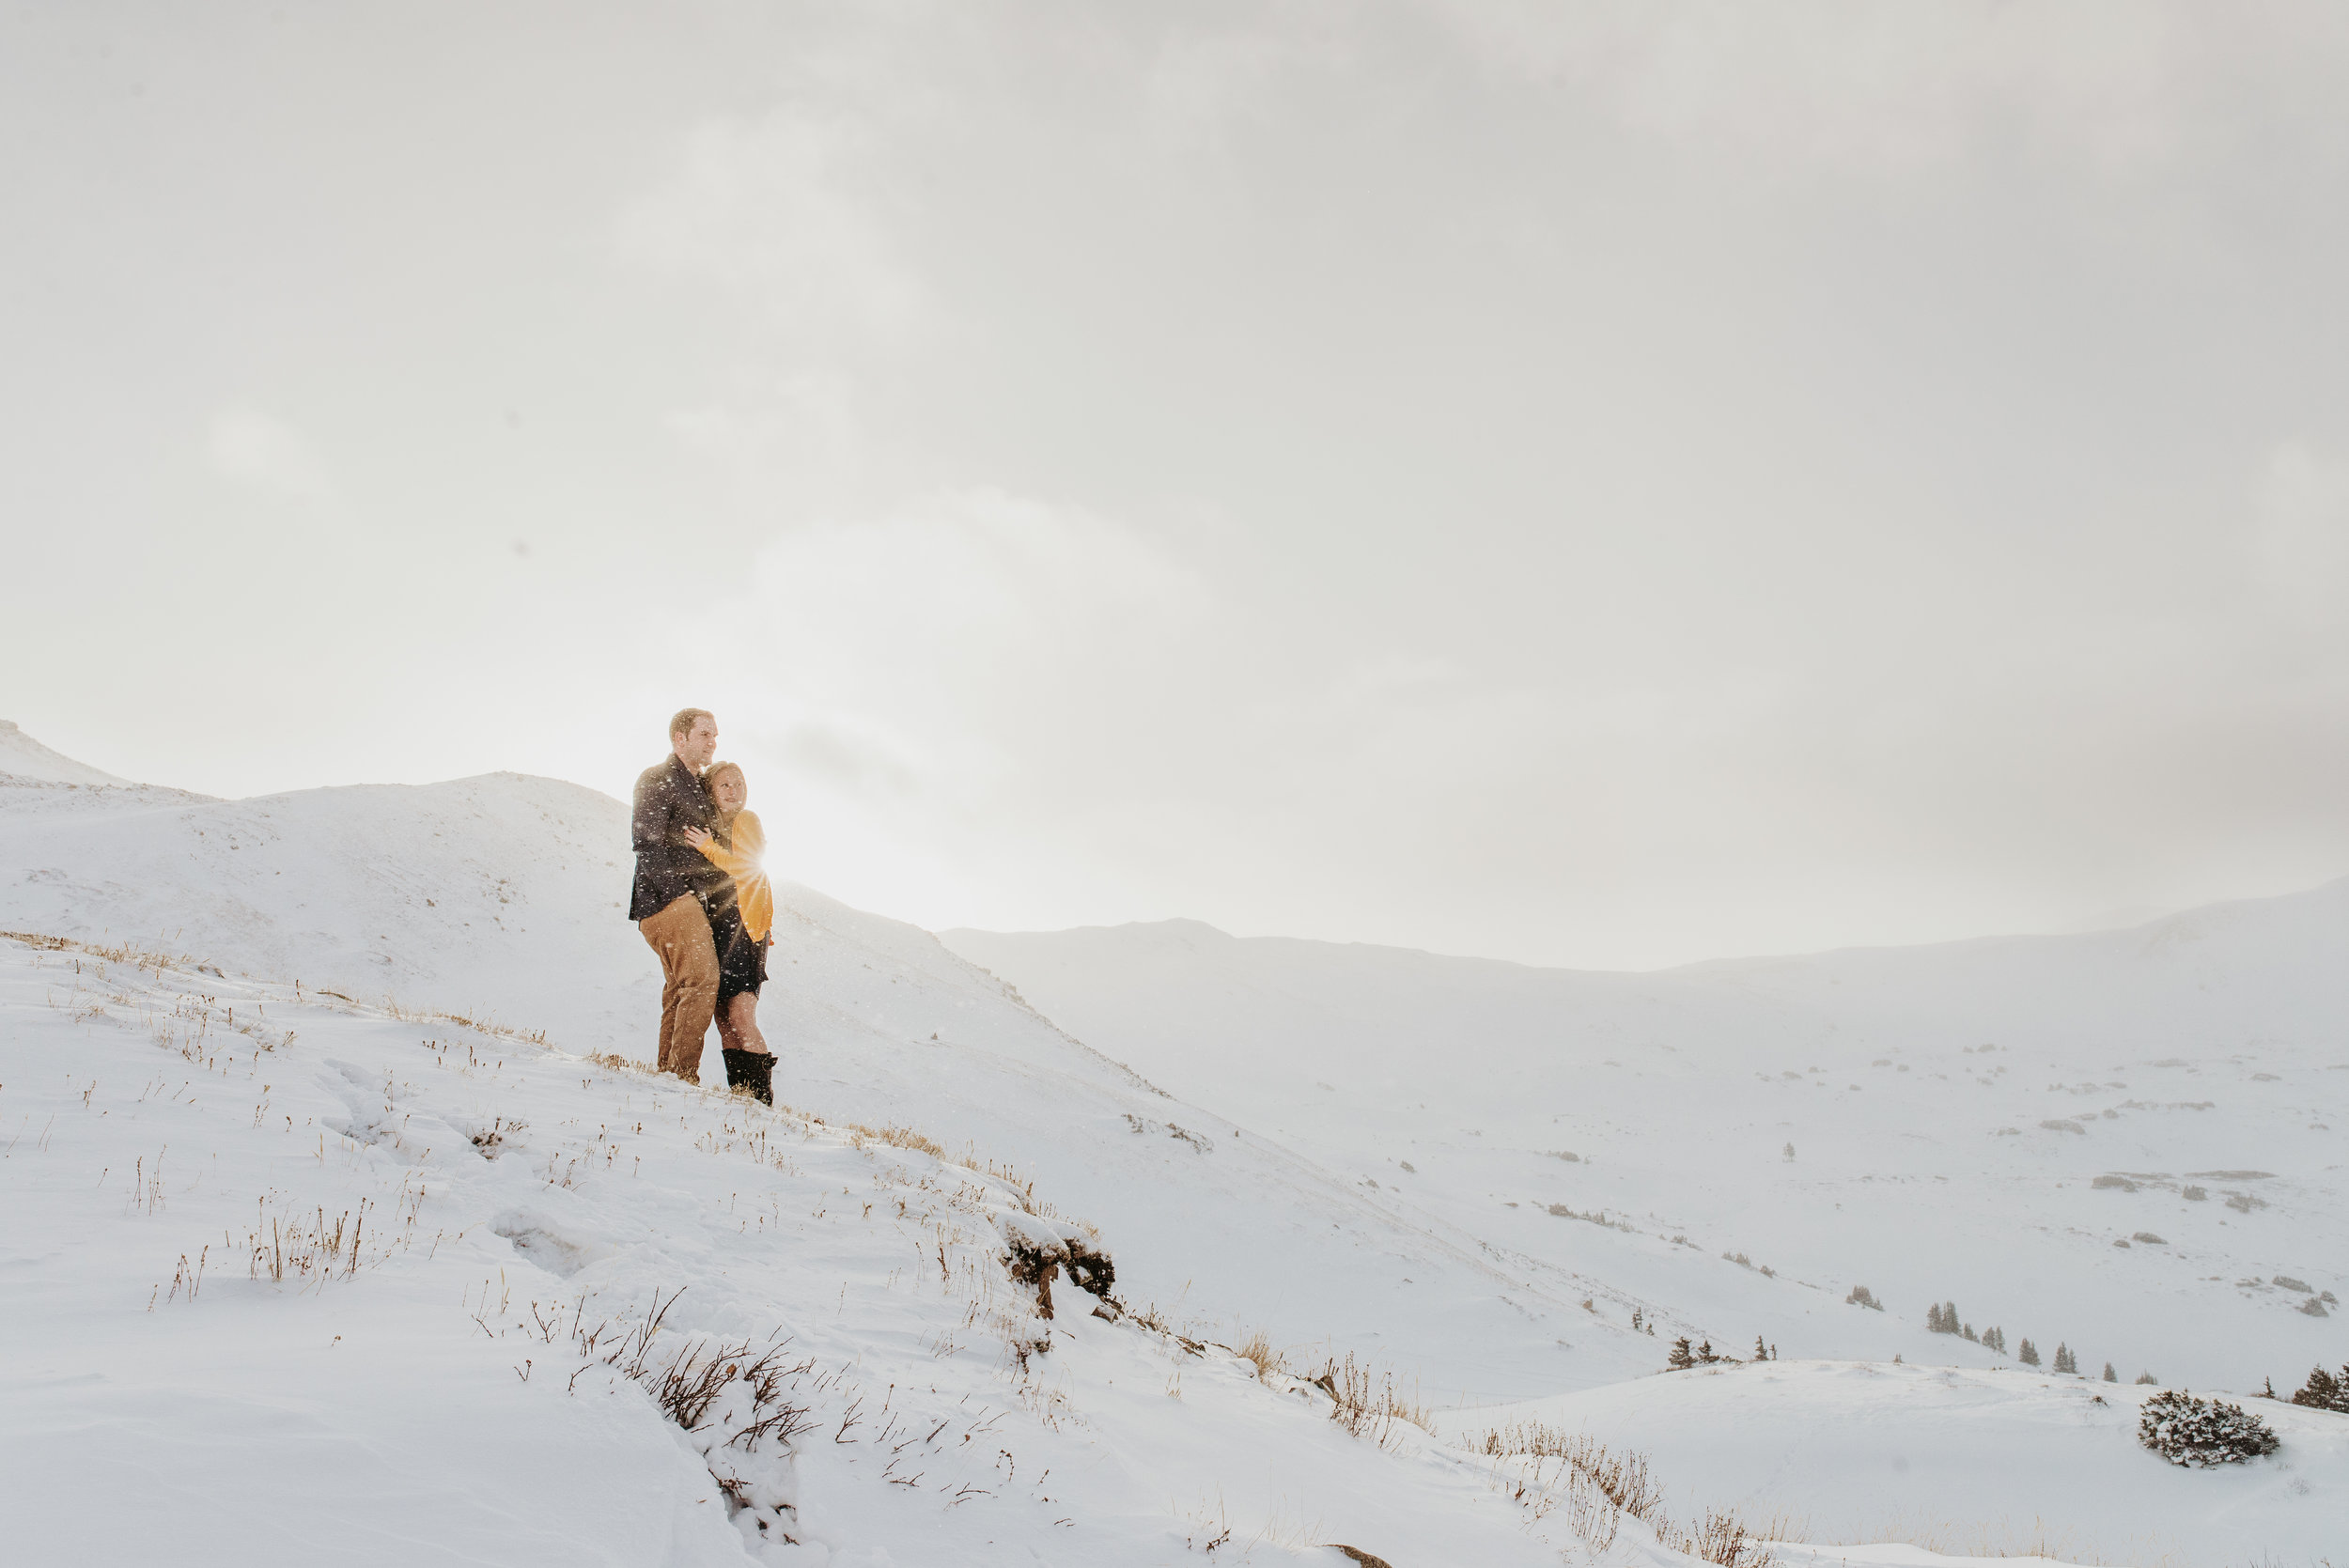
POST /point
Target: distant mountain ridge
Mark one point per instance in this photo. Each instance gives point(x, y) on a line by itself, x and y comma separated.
point(26, 757)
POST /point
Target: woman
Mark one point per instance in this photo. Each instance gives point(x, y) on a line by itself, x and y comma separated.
point(742, 925)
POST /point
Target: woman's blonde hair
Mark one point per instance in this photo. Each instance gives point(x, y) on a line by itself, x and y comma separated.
point(709, 774)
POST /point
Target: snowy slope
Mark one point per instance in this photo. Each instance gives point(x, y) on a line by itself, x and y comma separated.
point(1970, 1463)
point(180, 1384)
point(2205, 1052)
point(445, 1381)
point(500, 898)
point(23, 757)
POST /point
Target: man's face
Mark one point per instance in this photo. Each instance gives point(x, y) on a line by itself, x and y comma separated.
point(696, 746)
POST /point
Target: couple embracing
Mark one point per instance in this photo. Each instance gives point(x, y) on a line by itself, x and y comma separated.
point(705, 904)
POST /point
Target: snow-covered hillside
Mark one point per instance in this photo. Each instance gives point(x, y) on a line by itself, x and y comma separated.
point(23, 757)
point(2003, 1125)
point(289, 1281)
point(416, 1000)
point(500, 898)
point(1970, 1463)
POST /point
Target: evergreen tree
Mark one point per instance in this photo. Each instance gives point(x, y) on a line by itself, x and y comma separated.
point(1706, 1354)
point(2066, 1360)
point(1761, 1351)
point(1967, 1329)
point(2147, 1377)
point(2029, 1354)
point(1994, 1337)
point(1681, 1358)
point(2110, 1377)
point(2323, 1392)
point(1933, 1318)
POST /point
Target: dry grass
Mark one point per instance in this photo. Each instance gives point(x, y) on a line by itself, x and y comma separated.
point(112, 952)
point(903, 1138)
point(693, 1379)
point(1259, 1349)
point(392, 1007)
point(1598, 1488)
point(1366, 1402)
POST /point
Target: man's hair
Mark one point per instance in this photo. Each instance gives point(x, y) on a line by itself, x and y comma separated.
point(687, 718)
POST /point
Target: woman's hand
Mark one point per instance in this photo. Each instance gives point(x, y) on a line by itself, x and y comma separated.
point(696, 836)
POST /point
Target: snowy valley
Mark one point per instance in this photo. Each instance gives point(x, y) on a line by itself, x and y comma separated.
point(343, 1220)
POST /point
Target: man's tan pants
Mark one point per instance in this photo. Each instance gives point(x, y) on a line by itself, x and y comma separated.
point(689, 983)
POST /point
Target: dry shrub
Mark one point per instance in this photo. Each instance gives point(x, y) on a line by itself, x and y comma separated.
point(1366, 1402)
point(697, 1374)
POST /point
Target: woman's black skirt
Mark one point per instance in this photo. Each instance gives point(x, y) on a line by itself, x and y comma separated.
point(742, 962)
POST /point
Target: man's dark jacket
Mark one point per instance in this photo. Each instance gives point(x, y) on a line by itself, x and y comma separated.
point(669, 799)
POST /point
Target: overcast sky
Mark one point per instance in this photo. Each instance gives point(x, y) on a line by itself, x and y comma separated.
point(1605, 483)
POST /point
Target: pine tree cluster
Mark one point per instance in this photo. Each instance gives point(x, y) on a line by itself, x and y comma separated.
point(1681, 1357)
point(2323, 1392)
point(1994, 1338)
point(2029, 1354)
point(2066, 1360)
point(1862, 1296)
point(2202, 1432)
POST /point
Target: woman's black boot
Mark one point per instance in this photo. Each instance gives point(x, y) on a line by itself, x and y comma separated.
point(753, 1070)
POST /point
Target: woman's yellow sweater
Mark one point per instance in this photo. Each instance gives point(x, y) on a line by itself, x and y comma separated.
point(753, 895)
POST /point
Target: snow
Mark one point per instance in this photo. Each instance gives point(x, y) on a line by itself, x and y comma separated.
point(422, 1405)
point(416, 1008)
point(1972, 1463)
point(2206, 1051)
point(23, 757)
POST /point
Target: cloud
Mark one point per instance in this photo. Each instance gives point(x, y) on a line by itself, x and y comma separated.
point(767, 208)
point(1855, 84)
point(254, 448)
point(2303, 547)
point(968, 641)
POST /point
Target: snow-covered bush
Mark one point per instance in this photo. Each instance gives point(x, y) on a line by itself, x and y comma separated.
point(2201, 1432)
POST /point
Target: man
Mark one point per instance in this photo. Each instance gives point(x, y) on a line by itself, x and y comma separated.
point(673, 879)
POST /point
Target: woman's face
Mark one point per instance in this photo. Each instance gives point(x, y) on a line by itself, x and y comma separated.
point(729, 791)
